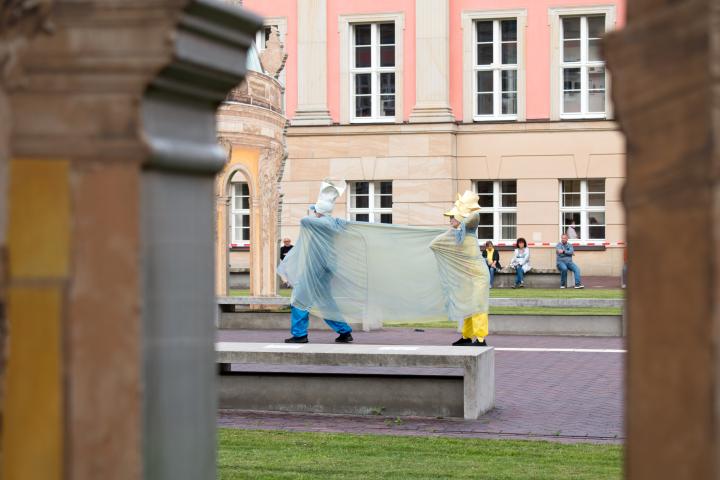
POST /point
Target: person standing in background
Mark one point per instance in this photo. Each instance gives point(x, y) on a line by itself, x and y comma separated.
point(286, 247)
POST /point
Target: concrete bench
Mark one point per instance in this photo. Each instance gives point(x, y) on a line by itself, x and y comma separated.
point(535, 278)
point(357, 379)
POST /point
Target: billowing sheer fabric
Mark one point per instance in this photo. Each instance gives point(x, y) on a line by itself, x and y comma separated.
point(374, 274)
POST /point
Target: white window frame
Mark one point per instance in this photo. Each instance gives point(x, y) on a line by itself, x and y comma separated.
point(239, 211)
point(584, 209)
point(556, 63)
point(469, 36)
point(372, 210)
point(496, 69)
point(347, 57)
point(498, 209)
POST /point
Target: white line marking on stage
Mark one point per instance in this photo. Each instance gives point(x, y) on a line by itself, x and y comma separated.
point(562, 350)
point(283, 346)
point(398, 348)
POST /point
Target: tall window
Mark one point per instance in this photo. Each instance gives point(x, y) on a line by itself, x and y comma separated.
point(371, 202)
point(582, 209)
point(240, 214)
point(583, 70)
point(262, 36)
point(496, 69)
point(498, 210)
point(373, 72)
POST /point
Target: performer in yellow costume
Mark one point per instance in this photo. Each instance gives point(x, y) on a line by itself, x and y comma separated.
point(458, 250)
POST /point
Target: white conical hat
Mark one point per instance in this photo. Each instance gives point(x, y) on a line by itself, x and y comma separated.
point(329, 193)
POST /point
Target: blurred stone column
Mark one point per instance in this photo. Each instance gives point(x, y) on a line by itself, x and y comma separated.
point(665, 66)
point(110, 373)
point(432, 76)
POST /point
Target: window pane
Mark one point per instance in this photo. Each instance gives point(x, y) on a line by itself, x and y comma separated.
point(387, 56)
point(485, 233)
point(596, 185)
point(362, 84)
point(386, 188)
point(387, 83)
point(508, 30)
point(244, 189)
point(571, 51)
point(384, 201)
point(245, 221)
point(509, 200)
point(508, 186)
point(387, 105)
point(596, 26)
point(245, 203)
point(484, 81)
point(596, 225)
point(508, 80)
point(363, 106)
point(509, 103)
point(571, 186)
point(484, 53)
point(361, 201)
point(361, 188)
point(362, 34)
point(595, 50)
point(386, 218)
point(571, 79)
point(485, 187)
point(484, 31)
point(596, 233)
point(596, 200)
point(485, 104)
point(571, 224)
point(362, 57)
point(486, 201)
point(571, 28)
point(596, 101)
point(509, 53)
point(596, 78)
point(571, 102)
point(361, 217)
point(486, 219)
point(387, 33)
point(509, 225)
point(246, 234)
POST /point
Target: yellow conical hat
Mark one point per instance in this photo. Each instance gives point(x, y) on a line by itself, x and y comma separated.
point(465, 204)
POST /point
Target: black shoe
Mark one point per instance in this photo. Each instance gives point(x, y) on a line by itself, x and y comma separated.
point(479, 344)
point(303, 339)
point(463, 342)
point(344, 338)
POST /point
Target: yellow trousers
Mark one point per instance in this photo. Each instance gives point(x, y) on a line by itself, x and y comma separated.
point(476, 326)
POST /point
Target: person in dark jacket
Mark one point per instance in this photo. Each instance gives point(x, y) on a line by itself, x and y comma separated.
point(492, 257)
point(286, 247)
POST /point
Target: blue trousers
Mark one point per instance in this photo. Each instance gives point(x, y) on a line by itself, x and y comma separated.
point(519, 275)
point(299, 320)
point(564, 267)
point(492, 275)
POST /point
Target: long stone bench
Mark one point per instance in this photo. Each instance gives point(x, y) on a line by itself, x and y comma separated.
point(357, 379)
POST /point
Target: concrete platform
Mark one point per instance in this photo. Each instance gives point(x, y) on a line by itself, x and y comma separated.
point(360, 392)
point(579, 325)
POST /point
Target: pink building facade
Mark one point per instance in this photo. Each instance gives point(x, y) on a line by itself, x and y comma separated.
point(413, 101)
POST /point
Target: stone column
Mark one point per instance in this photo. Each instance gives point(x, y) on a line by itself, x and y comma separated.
point(111, 370)
point(432, 72)
point(667, 106)
point(312, 106)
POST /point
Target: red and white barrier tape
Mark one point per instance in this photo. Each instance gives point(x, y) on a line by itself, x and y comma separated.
point(574, 244)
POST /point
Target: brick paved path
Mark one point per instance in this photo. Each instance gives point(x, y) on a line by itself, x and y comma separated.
point(547, 395)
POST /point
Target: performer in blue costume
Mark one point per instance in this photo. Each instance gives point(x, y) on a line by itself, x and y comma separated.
point(314, 284)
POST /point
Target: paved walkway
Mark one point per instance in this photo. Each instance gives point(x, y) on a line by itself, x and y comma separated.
point(545, 393)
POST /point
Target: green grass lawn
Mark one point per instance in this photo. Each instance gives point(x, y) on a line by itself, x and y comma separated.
point(508, 293)
point(291, 455)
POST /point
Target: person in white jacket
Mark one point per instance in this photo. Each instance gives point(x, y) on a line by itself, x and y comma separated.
point(520, 262)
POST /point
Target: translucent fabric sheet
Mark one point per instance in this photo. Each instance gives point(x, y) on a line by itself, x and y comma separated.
point(374, 274)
